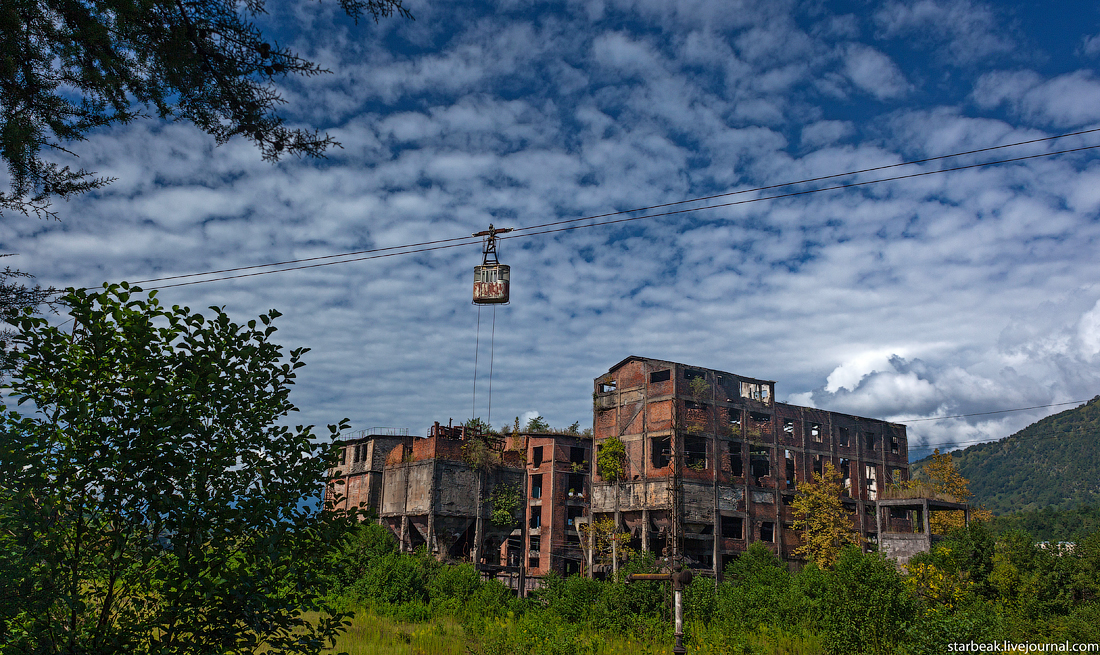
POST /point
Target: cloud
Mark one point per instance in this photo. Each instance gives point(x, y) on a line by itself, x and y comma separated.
point(1068, 100)
point(873, 72)
point(958, 31)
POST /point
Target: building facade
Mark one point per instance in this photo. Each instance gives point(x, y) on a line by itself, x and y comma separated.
point(741, 458)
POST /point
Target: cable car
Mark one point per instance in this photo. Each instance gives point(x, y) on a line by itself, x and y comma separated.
point(491, 278)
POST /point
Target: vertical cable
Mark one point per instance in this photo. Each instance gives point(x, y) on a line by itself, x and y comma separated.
point(492, 346)
point(477, 343)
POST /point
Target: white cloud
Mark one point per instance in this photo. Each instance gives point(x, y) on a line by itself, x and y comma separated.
point(1068, 100)
point(960, 30)
point(874, 73)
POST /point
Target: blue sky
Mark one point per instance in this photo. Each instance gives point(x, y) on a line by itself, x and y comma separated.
point(965, 292)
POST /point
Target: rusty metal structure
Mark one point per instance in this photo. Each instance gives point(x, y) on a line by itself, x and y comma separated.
point(713, 461)
point(491, 279)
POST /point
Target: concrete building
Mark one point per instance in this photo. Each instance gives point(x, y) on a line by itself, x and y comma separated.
point(741, 457)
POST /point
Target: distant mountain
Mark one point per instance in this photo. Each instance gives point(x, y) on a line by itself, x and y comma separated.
point(1051, 464)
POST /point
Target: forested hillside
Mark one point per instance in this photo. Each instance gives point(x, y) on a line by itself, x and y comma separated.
point(1053, 463)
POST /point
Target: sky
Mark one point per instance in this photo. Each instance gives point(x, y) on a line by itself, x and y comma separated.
point(964, 292)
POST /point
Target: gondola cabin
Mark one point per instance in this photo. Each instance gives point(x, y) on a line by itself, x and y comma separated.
point(491, 284)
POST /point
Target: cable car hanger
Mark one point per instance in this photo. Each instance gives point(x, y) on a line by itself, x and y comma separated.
point(491, 278)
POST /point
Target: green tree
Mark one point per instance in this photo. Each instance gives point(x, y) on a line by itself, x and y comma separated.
point(537, 424)
point(820, 517)
point(867, 607)
point(148, 499)
point(68, 67)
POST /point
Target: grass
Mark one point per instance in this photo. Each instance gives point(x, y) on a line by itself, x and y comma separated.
point(371, 634)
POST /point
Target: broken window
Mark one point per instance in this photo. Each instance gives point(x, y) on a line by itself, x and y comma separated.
point(733, 527)
point(846, 474)
point(819, 465)
point(752, 391)
point(536, 456)
point(576, 485)
point(872, 482)
point(788, 426)
point(691, 374)
point(536, 486)
point(571, 514)
point(536, 543)
point(894, 446)
point(536, 517)
point(869, 439)
point(609, 386)
point(735, 421)
point(660, 376)
point(695, 452)
point(759, 463)
point(736, 465)
point(532, 562)
point(660, 451)
point(815, 432)
point(789, 457)
point(578, 456)
point(842, 437)
point(767, 531)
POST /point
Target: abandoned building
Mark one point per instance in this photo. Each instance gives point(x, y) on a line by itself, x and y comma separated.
point(741, 457)
point(712, 463)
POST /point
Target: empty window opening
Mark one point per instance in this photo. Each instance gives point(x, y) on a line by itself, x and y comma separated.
point(846, 474)
point(355, 455)
point(760, 419)
point(661, 376)
point(536, 456)
point(869, 439)
point(819, 465)
point(343, 455)
point(572, 539)
point(787, 499)
point(894, 446)
point(578, 455)
point(532, 562)
point(572, 513)
point(872, 482)
point(695, 452)
point(660, 451)
point(767, 531)
point(692, 405)
point(815, 432)
point(842, 437)
point(691, 374)
point(736, 463)
point(536, 517)
point(536, 486)
point(753, 391)
point(789, 458)
point(788, 426)
point(759, 463)
point(735, 420)
point(536, 543)
point(608, 387)
point(576, 485)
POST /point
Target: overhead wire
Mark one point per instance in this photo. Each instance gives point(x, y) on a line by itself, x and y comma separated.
point(412, 248)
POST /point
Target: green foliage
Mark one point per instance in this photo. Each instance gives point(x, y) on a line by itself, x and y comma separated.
point(867, 607)
point(506, 500)
point(1050, 524)
point(574, 428)
point(611, 460)
point(149, 500)
point(1053, 463)
point(363, 545)
point(89, 64)
point(699, 388)
point(537, 424)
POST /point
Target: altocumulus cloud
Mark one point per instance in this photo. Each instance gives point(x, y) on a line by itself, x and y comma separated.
point(959, 293)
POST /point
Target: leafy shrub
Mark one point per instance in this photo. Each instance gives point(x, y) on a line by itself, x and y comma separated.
point(867, 606)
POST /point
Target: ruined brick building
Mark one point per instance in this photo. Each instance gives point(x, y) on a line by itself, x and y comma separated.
point(743, 455)
point(710, 447)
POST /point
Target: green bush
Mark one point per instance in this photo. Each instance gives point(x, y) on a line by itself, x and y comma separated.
point(395, 579)
point(867, 606)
